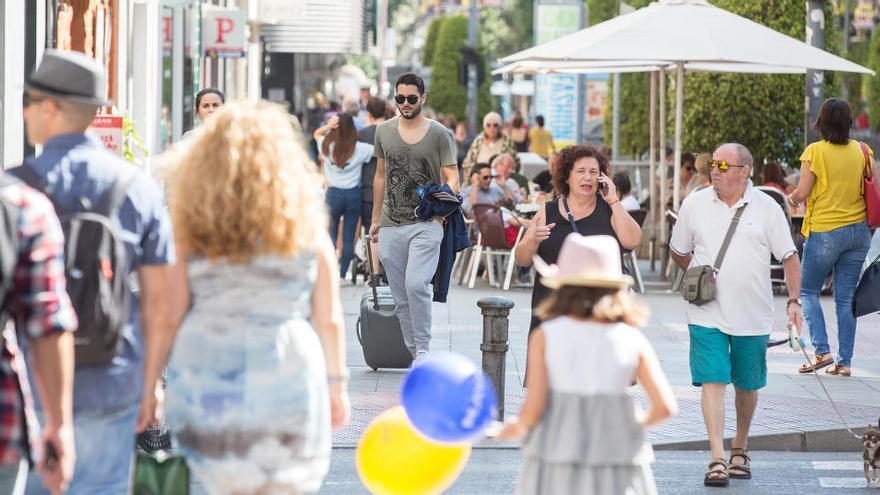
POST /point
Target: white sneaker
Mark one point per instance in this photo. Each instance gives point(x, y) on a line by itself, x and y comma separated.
point(420, 355)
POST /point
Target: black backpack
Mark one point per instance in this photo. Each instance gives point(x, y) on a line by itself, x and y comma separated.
point(96, 270)
point(8, 249)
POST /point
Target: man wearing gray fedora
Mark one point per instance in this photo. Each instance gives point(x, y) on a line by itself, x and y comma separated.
point(110, 401)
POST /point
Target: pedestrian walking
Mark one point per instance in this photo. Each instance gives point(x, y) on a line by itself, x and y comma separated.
point(34, 297)
point(489, 143)
point(114, 393)
point(376, 109)
point(587, 204)
point(519, 134)
point(584, 434)
point(344, 158)
point(208, 101)
point(541, 140)
point(729, 232)
point(836, 230)
point(257, 378)
point(412, 152)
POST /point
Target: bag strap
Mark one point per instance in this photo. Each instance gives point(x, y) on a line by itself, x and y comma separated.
point(568, 214)
point(730, 231)
point(113, 198)
point(868, 172)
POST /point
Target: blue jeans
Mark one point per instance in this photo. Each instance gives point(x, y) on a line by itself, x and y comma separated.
point(105, 443)
point(344, 204)
point(842, 250)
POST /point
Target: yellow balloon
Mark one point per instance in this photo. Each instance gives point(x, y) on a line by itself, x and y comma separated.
point(394, 459)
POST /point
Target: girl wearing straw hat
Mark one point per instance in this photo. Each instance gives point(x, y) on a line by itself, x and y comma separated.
point(582, 431)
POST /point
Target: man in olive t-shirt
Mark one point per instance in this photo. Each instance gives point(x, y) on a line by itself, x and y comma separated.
point(411, 151)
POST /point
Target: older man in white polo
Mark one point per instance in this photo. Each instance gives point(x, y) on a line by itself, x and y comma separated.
point(728, 335)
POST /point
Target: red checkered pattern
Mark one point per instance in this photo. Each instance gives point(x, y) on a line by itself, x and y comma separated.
point(40, 306)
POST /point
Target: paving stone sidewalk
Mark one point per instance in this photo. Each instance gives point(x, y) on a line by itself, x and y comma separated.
point(792, 409)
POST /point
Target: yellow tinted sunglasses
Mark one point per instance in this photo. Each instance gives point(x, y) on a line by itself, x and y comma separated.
point(723, 165)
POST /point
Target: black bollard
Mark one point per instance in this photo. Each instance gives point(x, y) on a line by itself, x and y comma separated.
point(495, 311)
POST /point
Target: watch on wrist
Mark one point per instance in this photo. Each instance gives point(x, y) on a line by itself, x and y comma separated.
point(795, 300)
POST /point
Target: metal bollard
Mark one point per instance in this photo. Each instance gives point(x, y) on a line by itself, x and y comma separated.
point(494, 346)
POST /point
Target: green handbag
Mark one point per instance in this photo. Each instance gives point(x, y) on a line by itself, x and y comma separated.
point(159, 473)
point(698, 284)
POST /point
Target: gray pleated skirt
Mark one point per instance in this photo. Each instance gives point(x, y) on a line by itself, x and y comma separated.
point(587, 445)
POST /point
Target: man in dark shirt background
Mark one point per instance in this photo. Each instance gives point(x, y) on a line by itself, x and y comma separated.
point(375, 116)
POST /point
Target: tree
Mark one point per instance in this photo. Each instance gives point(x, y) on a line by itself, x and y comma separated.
point(873, 88)
point(431, 41)
point(763, 112)
point(447, 95)
point(601, 10)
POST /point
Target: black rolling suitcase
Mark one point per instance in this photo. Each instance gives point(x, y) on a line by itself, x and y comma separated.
point(378, 329)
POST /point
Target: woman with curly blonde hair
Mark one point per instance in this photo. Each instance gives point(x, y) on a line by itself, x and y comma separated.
point(251, 396)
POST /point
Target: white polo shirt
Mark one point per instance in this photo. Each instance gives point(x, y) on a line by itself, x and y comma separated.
point(744, 297)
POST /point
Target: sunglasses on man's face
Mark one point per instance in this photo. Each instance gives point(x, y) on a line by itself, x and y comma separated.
point(411, 99)
point(487, 177)
point(723, 165)
point(28, 99)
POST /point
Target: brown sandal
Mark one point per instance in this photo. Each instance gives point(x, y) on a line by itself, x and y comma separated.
point(839, 369)
point(744, 472)
point(818, 362)
point(717, 477)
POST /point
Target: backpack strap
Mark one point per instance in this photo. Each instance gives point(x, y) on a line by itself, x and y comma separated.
point(29, 176)
point(113, 198)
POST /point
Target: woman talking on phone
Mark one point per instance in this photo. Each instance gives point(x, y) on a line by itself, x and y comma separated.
point(587, 203)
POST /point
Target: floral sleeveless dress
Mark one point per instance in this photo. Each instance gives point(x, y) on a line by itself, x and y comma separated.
point(246, 384)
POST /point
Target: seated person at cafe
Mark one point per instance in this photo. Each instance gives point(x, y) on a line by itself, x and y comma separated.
point(502, 167)
point(544, 179)
point(624, 191)
point(481, 191)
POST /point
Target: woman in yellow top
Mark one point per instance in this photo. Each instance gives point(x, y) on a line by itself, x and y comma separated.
point(540, 139)
point(836, 230)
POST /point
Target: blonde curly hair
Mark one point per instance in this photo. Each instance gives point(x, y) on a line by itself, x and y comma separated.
point(244, 186)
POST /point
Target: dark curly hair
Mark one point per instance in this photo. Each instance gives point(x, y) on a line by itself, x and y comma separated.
point(565, 164)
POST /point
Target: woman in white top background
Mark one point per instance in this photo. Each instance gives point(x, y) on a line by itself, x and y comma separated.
point(343, 157)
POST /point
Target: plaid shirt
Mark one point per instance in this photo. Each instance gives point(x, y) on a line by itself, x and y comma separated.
point(39, 305)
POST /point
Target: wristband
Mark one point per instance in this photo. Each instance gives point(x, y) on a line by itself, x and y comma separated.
point(614, 203)
point(794, 300)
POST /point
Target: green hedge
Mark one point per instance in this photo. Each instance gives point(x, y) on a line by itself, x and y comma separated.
point(447, 96)
point(873, 85)
point(431, 41)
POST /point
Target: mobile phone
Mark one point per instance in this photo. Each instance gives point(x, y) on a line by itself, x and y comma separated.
point(603, 187)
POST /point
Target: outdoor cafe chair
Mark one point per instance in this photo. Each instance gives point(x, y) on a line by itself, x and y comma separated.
point(630, 259)
point(492, 243)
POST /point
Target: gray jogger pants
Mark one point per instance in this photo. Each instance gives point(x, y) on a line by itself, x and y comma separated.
point(410, 254)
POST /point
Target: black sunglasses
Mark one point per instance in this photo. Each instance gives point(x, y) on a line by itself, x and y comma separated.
point(487, 177)
point(411, 99)
point(493, 124)
point(27, 99)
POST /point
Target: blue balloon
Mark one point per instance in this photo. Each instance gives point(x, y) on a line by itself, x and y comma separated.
point(448, 398)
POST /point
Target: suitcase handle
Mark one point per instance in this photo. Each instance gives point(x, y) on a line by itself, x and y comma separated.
point(357, 327)
point(373, 277)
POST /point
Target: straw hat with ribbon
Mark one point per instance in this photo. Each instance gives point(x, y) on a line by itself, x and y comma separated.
point(585, 261)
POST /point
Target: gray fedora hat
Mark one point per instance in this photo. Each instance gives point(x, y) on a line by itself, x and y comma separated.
point(70, 76)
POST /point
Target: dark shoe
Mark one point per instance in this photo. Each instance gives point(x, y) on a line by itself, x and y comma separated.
point(717, 477)
point(739, 471)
